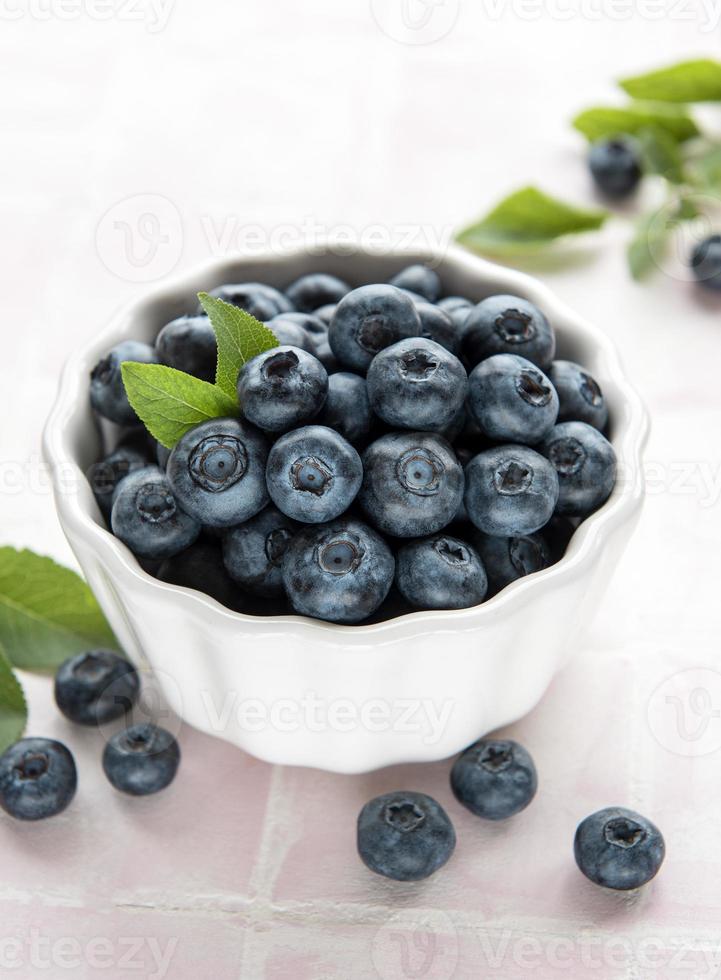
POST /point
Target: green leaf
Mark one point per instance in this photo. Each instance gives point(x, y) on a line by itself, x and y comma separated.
point(525, 222)
point(690, 81)
point(707, 168)
point(661, 154)
point(240, 337)
point(602, 122)
point(47, 612)
point(13, 707)
point(170, 402)
point(647, 245)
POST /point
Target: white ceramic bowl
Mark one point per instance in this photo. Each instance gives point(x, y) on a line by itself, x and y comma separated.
point(348, 698)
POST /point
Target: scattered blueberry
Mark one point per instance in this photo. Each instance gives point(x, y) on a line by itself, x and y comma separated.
point(217, 472)
point(579, 395)
point(615, 166)
point(369, 319)
point(494, 778)
point(107, 391)
point(440, 572)
point(586, 466)
point(142, 759)
point(405, 836)
point(281, 388)
point(347, 408)
point(419, 279)
point(618, 848)
point(314, 290)
point(38, 778)
point(147, 517)
point(412, 484)
point(253, 552)
point(508, 325)
point(341, 571)
point(313, 474)
point(261, 301)
point(510, 491)
point(508, 559)
point(94, 687)
point(706, 262)
point(106, 475)
point(417, 384)
point(512, 400)
point(188, 344)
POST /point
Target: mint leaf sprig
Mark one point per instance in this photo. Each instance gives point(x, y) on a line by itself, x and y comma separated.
point(672, 146)
point(170, 402)
point(47, 614)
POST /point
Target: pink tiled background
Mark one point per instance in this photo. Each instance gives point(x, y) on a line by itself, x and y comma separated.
point(284, 115)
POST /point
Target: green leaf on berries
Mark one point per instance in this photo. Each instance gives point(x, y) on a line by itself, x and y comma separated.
point(240, 337)
point(170, 402)
point(661, 155)
point(706, 169)
point(690, 81)
point(647, 245)
point(13, 707)
point(605, 122)
point(527, 221)
point(47, 612)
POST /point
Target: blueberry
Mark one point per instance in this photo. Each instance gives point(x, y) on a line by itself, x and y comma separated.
point(217, 472)
point(201, 567)
point(615, 166)
point(419, 279)
point(586, 466)
point(618, 848)
point(261, 301)
point(508, 325)
point(94, 687)
point(147, 517)
point(510, 491)
point(405, 836)
point(188, 344)
point(512, 400)
point(253, 552)
point(106, 476)
point(508, 559)
point(452, 304)
point(313, 474)
point(316, 289)
point(327, 358)
point(438, 325)
point(347, 408)
point(494, 778)
point(107, 391)
point(142, 759)
point(315, 328)
point(162, 454)
point(341, 571)
point(417, 384)
point(281, 388)
point(706, 262)
point(579, 395)
point(412, 484)
point(37, 778)
point(367, 320)
point(440, 572)
point(290, 333)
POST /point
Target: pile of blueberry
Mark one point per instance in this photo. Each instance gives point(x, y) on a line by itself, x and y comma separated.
point(38, 777)
point(396, 451)
point(407, 836)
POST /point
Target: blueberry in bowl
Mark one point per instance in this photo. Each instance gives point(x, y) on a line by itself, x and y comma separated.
point(340, 627)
